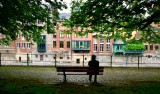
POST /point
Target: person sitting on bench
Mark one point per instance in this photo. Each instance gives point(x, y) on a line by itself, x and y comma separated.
point(93, 66)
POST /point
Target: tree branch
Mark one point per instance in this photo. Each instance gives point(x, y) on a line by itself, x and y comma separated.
point(149, 20)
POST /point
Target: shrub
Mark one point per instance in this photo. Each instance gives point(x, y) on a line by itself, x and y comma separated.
point(134, 47)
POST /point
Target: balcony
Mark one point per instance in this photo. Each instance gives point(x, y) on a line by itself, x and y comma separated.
point(118, 48)
point(118, 51)
point(41, 47)
point(134, 51)
point(81, 45)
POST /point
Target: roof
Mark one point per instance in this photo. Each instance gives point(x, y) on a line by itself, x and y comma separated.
point(63, 16)
point(119, 41)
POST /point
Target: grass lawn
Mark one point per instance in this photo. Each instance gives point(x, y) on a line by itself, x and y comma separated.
point(28, 80)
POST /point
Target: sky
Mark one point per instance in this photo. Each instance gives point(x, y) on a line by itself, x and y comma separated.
point(68, 2)
point(68, 10)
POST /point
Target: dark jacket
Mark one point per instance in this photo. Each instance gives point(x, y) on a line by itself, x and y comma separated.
point(93, 64)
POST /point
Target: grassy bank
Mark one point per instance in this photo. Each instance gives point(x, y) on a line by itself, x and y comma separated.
point(7, 87)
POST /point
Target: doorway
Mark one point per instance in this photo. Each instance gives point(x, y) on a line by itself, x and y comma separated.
point(19, 59)
point(41, 57)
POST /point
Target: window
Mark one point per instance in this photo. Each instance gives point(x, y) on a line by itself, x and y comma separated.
point(68, 44)
point(55, 24)
point(151, 46)
point(39, 21)
point(75, 35)
point(77, 61)
point(108, 41)
point(101, 47)
point(23, 45)
point(61, 57)
point(68, 35)
point(22, 37)
point(108, 45)
point(81, 45)
point(95, 48)
point(18, 45)
point(42, 46)
point(119, 47)
point(44, 37)
point(61, 44)
point(54, 35)
point(156, 47)
point(28, 45)
point(86, 44)
point(54, 44)
point(61, 34)
point(146, 47)
point(101, 40)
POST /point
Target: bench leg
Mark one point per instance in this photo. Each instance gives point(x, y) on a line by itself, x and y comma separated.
point(64, 79)
point(95, 78)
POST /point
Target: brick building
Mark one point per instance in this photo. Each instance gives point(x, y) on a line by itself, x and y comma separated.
point(66, 48)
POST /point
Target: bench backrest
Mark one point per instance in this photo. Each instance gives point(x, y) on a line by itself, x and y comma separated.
point(78, 69)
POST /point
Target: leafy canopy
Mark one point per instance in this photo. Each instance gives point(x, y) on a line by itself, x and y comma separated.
point(110, 17)
point(21, 15)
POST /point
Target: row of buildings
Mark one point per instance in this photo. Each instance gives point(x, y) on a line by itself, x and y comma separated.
point(66, 47)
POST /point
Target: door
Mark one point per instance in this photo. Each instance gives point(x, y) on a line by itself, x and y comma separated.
point(41, 57)
point(19, 59)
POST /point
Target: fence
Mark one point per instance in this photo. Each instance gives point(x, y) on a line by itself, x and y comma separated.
point(77, 60)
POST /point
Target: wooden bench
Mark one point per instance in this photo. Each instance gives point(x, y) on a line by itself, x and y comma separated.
point(74, 70)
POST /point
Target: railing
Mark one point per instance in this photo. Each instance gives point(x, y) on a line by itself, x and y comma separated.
point(134, 51)
point(118, 51)
point(77, 60)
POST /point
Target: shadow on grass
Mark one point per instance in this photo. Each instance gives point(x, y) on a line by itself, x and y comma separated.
point(10, 87)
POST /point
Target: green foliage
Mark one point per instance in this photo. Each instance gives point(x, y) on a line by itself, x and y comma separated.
point(135, 42)
point(134, 47)
point(110, 16)
point(21, 16)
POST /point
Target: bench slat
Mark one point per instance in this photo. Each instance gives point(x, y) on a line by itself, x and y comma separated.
point(77, 74)
point(77, 70)
point(76, 67)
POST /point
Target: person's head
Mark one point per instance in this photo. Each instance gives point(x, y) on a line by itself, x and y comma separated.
point(93, 57)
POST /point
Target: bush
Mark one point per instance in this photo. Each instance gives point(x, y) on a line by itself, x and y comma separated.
point(134, 47)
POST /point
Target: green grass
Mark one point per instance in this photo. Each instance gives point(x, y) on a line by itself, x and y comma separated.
point(72, 88)
point(119, 81)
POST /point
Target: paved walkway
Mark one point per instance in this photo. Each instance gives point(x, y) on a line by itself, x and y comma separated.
point(48, 75)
